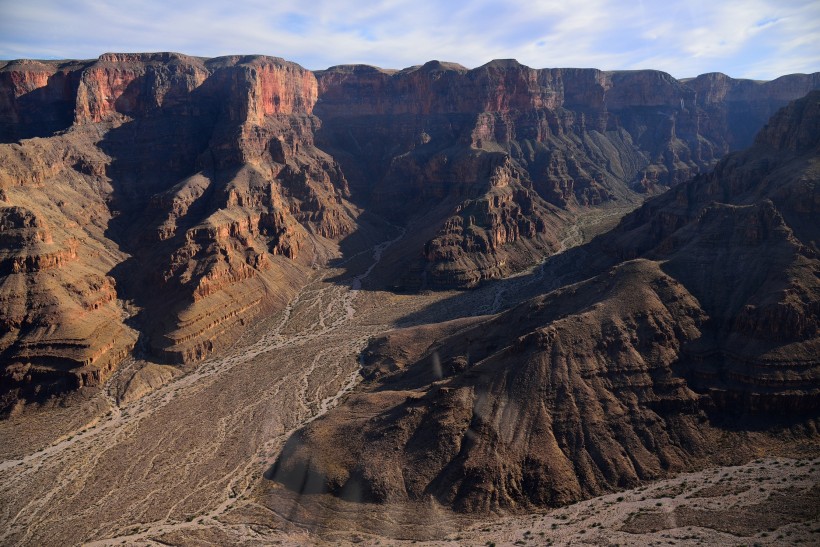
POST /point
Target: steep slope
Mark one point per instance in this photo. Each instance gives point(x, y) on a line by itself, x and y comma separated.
point(744, 240)
point(61, 323)
point(37, 98)
point(155, 203)
point(699, 325)
point(517, 153)
point(185, 198)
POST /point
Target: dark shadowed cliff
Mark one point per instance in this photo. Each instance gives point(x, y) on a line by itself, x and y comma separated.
point(696, 323)
point(156, 203)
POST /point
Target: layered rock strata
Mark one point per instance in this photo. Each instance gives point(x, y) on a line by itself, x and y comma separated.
point(697, 322)
point(558, 140)
point(173, 198)
point(185, 197)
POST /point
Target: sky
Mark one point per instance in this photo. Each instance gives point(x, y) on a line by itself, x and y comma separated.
point(759, 39)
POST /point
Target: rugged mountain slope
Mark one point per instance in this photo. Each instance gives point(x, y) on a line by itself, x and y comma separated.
point(704, 314)
point(519, 151)
point(160, 201)
point(59, 307)
point(185, 198)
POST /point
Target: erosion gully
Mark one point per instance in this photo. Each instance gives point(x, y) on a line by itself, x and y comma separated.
point(181, 457)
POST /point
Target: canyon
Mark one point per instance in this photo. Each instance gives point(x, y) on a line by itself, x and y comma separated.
point(618, 378)
point(333, 302)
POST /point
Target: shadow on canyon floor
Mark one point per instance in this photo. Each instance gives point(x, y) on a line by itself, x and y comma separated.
point(150, 155)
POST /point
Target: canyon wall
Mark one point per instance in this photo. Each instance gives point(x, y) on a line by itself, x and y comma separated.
point(694, 327)
point(182, 198)
point(155, 203)
point(564, 140)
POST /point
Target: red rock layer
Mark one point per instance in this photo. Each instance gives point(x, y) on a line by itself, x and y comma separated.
point(185, 198)
point(37, 98)
point(134, 84)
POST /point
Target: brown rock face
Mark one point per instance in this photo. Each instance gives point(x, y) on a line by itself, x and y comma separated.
point(743, 239)
point(61, 322)
point(135, 84)
point(229, 236)
point(493, 234)
point(568, 139)
point(37, 98)
point(564, 397)
point(699, 317)
point(173, 198)
point(189, 189)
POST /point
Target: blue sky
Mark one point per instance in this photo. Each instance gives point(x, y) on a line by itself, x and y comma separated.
point(759, 39)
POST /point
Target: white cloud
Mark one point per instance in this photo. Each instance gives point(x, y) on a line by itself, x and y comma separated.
point(757, 38)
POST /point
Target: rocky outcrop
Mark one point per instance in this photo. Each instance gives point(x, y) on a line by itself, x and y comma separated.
point(186, 197)
point(743, 239)
point(192, 193)
point(135, 84)
point(562, 398)
point(570, 138)
point(489, 236)
point(697, 320)
point(37, 98)
point(239, 217)
point(61, 322)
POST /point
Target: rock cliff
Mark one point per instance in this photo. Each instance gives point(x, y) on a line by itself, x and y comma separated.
point(37, 98)
point(697, 321)
point(566, 140)
point(156, 202)
point(744, 240)
point(184, 197)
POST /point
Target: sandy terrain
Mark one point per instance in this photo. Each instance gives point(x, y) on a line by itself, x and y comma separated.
point(771, 501)
point(192, 448)
point(183, 464)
